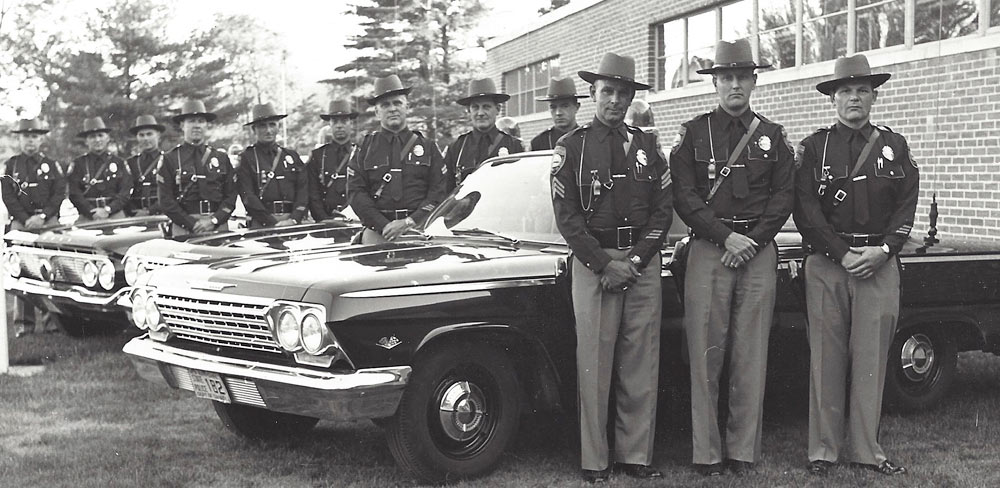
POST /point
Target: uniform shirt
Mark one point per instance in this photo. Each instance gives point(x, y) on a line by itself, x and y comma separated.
point(327, 171)
point(270, 173)
point(184, 180)
point(639, 195)
point(769, 169)
point(96, 175)
point(474, 147)
point(143, 169)
point(547, 139)
point(888, 177)
point(36, 183)
point(417, 183)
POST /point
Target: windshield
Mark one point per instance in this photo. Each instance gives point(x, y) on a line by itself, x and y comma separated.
point(510, 197)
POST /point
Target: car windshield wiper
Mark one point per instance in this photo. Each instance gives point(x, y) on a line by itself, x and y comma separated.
point(483, 232)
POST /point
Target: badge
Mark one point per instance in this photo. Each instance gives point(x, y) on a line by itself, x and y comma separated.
point(558, 157)
point(44, 167)
point(288, 160)
point(214, 162)
point(503, 152)
point(418, 150)
point(887, 153)
point(678, 139)
point(640, 157)
point(764, 143)
point(113, 167)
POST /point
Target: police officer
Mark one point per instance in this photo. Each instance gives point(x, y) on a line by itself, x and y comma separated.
point(100, 183)
point(396, 176)
point(484, 141)
point(611, 197)
point(33, 188)
point(856, 193)
point(143, 166)
point(327, 166)
point(733, 186)
point(196, 183)
point(272, 179)
point(563, 105)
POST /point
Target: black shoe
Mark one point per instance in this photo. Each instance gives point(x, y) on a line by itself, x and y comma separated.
point(739, 468)
point(640, 471)
point(885, 467)
point(819, 467)
point(595, 477)
point(22, 333)
point(714, 469)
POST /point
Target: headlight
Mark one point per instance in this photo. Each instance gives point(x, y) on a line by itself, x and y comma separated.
point(131, 270)
point(89, 273)
point(107, 275)
point(139, 309)
point(288, 331)
point(313, 333)
point(13, 264)
point(153, 314)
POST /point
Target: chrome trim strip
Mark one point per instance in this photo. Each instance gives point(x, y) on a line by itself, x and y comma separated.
point(54, 252)
point(448, 288)
point(192, 294)
point(75, 293)
point(934, 258)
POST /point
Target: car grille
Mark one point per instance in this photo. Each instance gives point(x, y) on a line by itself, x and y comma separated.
point(216, 322)
point(65, 266)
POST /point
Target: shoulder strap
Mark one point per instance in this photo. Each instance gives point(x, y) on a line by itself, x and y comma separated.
point(733, 156)
point(407, 147)
point(865, 151)
point(149, 168)
point(345, 159)
point(496, 143)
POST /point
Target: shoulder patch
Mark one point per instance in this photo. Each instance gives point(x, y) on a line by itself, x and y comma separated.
point(798, 152)
point(884, 128)
point(784, 137)
point(678, 139)
point(558, 158)
point(913, 161)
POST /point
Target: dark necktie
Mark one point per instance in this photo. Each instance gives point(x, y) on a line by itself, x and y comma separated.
point(741, 188)
point(859, 188)
point(396, 183)
point(622, 194)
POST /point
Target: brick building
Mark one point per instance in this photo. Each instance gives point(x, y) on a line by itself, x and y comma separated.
point(944, 95)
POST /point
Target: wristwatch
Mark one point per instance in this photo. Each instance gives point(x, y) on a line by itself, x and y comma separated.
point(214, 220)
point(885, 248)
point(107, 208)
point(410, 222)
point(636, 260)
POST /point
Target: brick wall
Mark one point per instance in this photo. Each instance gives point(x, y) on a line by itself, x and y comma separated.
point(946, 104)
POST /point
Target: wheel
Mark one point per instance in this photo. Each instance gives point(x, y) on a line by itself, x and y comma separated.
point(921, 368)
point(261, 424)
point(457, 415)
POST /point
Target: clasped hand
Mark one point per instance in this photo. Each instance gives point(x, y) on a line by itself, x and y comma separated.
point(740, 249)
point(862, 262)
point(618, 275)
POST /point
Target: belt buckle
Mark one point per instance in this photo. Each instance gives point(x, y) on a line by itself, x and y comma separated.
point(401, 214)
point(204, 207)
point(628, 233)
point(101, 201)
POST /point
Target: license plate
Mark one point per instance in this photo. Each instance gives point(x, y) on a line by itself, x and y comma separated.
point(209, 386)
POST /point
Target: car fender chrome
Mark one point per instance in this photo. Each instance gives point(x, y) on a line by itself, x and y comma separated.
point(404, 291)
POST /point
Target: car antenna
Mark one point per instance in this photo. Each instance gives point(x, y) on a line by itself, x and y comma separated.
point(931, 237)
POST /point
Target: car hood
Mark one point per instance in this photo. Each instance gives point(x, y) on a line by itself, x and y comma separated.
point(113, 236)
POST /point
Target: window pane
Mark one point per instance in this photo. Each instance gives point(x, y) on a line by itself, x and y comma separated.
point(880, 25)
point(736, 20)
point(541, 75)
point(824, 39)
point(777, 47)
point(776, 13)
point(817, 8)
point(995, 15)
point(674, 72)
point(700, 59)
point(944, 19)
point(701, 31)
point(671, 54)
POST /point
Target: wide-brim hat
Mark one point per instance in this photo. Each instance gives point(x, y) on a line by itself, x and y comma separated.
point(388, 86)
point(340, 108)
point(561, 89)
point(264, 112)
point(194, 108)
point(852, 68)
point(91, 126)
point(733, 55)
point(146, 122)
point(614, 67)
point(30, 126)
point(483, 88)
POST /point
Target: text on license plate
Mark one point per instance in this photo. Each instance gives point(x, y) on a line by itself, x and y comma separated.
point(209, 386)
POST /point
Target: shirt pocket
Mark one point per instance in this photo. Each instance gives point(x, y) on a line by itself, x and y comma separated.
point(889, 169)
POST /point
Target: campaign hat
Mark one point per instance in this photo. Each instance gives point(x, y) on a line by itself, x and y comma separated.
point(851, 68)
point(264, 112)
point(340, 108)
point(614, 67)
point(194, 108)
point(30, 126)
point(732, 55)
point(483, 88)
point(92, 126)
point(146, 122)
point(388, 86)
point(560, 89)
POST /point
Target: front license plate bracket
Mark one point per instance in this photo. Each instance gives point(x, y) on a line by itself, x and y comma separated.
point(209, 386)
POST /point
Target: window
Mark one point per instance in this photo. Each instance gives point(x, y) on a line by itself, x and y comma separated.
point(880, 23)
point(995, 15)
point(526, 83)
point(686, 45)
point(824, 30)
point(777, 32)
point(944, 19)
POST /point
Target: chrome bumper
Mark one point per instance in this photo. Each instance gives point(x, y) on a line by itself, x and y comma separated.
point(362, 394)
point(75, 293)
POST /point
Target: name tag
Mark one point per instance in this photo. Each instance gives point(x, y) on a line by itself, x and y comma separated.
point(862, 177)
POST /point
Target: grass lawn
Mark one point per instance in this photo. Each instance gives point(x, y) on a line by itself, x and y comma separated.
point(89, 420)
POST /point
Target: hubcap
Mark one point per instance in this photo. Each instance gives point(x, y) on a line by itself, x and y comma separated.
point(917, 357)
point(462, 410)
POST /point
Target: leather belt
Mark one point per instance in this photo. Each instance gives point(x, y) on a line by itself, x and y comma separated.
point(282, 206)
point(617, 238)
point(200, 207)
point(395, 214)
point(740, 226)
point(861, 240)
point(147, 202)
point(99, 202)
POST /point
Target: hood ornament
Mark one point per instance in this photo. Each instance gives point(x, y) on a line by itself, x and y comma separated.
point(209, 285)
point(388, 342)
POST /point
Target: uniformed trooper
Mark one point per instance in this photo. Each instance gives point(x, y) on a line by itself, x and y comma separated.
point(272, 179)
point(196, 183)
point(484, 141)
point(563, 105)
point(733, 175)
point(143, 166)
point(612, 202)
point(100, 183)
point(328, 163)
point(33, 189)
point(856, 193)
point(396, 176)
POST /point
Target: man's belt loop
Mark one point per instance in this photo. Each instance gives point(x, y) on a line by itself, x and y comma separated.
point(99, 202)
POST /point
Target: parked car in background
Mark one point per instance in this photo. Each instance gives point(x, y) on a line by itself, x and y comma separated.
point(446, 339)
